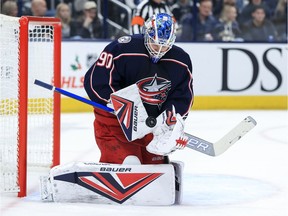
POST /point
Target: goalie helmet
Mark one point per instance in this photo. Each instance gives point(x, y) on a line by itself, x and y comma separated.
point(159, 35)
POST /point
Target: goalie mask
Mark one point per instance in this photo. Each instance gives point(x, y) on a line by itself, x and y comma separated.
point(159, 35)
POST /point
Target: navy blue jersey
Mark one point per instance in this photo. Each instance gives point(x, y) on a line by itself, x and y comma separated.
point(126, 61)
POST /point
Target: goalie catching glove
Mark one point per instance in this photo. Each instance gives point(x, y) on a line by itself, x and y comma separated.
point(168, 134)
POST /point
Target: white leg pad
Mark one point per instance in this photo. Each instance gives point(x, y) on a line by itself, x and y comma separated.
point(110, 184)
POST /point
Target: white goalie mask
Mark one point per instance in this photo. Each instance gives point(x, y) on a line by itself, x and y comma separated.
point(159, 35)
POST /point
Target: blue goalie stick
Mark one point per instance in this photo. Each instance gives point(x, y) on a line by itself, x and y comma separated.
point(194, 142)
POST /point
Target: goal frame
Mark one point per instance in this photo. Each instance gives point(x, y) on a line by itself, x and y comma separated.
point(23, 95)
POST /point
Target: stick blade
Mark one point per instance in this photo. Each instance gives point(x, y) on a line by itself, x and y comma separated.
point(234, 135)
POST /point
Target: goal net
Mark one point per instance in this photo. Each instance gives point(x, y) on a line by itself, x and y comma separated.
point(30, 48)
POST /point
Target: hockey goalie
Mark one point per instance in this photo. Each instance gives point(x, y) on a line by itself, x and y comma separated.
point(147, 81)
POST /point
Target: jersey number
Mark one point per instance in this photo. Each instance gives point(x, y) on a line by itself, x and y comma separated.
point(105, 60)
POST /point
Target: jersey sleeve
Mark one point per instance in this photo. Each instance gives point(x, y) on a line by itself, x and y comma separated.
point(182, 97)
point(98, 82)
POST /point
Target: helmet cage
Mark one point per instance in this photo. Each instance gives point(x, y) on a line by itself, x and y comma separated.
point(159, 35)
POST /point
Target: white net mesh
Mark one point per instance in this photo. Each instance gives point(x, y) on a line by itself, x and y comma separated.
point(40, 102)
point(9, 39)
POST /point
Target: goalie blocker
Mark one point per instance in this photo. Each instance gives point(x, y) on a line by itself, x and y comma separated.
point(114, 183)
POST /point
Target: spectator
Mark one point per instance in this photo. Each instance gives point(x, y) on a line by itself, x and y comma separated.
point(217, 7)
point(202, 25)
point(10, 8)
point(259, 29)
point(77, 8)
point(91, 26)
point(227, 29)
point(240, 5)
point(146, 9)
point(272, 4)
point(280, 19)
point(69, 27)
point(25, 9)
point(180, 8)
point(219, 4)
point(246, 13)
point(38, 7)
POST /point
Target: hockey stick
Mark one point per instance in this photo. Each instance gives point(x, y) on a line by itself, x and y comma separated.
point(219, 147)
point(196, 143)
point(71, 95)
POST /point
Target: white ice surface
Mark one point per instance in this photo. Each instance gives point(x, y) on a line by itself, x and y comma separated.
point(250, 179)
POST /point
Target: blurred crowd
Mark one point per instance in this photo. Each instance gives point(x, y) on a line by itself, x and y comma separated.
point(197, 20)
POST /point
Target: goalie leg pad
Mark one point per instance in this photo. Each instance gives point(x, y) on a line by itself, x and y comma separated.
point(112, 184)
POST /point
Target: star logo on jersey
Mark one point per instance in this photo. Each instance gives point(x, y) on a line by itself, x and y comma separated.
point(117, 187)
point(154, 90)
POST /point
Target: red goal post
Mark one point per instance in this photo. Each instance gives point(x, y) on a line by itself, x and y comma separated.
point(30, 48)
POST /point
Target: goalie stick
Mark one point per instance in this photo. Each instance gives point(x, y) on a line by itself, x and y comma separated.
point(219, 147)
point(194, 142)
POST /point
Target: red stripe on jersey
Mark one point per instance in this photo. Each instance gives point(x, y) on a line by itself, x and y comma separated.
point(130, 54)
